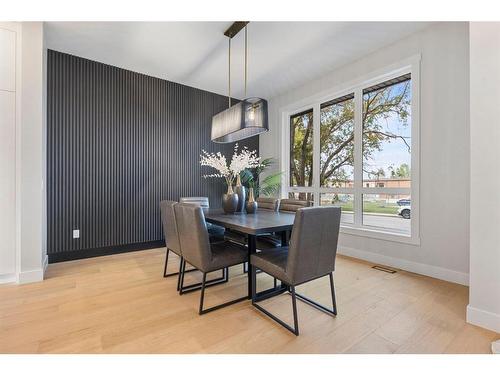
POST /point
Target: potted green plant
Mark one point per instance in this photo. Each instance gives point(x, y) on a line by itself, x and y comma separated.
point(269, 186)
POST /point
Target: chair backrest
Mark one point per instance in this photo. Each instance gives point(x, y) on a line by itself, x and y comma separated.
point(313, 244)
point(200, 201)
point(292, 205)
point(266, 203)
point(193, 235)
point(170, 226)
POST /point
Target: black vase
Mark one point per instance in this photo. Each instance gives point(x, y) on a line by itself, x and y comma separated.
point(251, 207)
point(242, 195)
point(251, 204)
point(230, 201)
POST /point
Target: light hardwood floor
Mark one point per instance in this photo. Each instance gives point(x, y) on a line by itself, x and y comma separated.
point(122, 304)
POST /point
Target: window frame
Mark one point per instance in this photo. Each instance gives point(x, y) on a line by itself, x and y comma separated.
point(410, 65)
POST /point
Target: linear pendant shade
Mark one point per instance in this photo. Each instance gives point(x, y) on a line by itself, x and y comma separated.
point(243, 120)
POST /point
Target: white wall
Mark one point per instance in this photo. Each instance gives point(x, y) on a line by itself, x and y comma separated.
point(8, 44)
point(484, 300)
point(22, 255)
point(32, 160)
point(444, 144)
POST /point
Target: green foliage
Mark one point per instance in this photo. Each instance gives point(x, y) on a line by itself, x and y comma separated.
point(403, 171)
point(337, 135)
point(270, 185)
point(379, 173)
point(336, 143)
point(301, 133)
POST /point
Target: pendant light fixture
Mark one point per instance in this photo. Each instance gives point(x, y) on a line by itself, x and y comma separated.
point(246, 118)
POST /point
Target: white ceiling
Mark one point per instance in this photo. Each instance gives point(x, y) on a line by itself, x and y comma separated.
point(282, 55)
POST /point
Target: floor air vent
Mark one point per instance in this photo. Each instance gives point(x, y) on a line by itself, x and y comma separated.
point(384, 269)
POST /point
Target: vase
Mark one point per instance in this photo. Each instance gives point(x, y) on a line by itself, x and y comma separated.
point(230, 201)
point(251, 204)
point(241, 192)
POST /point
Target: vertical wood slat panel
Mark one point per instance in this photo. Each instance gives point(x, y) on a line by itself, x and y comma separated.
point(118, 143)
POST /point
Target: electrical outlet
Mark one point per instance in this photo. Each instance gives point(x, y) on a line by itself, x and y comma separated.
point(76, 233)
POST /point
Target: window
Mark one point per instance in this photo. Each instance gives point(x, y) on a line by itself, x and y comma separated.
point(337, 143)
point(301, 152)
point(387, 131)
point(344, 201)
point(354, 151)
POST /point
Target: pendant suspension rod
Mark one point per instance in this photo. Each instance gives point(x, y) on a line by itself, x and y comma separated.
point(229, 81)
point(246, 59)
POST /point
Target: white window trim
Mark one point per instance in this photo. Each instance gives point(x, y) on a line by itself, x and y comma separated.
point(410, 65)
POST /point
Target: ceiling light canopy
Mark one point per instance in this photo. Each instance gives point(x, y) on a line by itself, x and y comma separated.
point(246, 118)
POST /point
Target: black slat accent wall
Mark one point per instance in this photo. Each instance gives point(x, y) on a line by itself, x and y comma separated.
point(119, 142)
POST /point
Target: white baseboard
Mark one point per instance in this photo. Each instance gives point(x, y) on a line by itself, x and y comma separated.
point(31, 276)
point(482, 318)
point(7, 278)
point(45, 263)
point(27, 276)
point(403, 264)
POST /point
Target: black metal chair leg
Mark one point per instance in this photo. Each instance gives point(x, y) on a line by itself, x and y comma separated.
point(255, 298)
point(165, 274)
point(294, 306)
point(318, 306)
point(197, 286)
point(181, 283)
point(254, 284)
point(334, 301)
point(166, 262)
point(202, 294)
point(179, 276)
point(225, 272)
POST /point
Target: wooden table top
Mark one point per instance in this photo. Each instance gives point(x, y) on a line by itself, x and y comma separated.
point(263, 221)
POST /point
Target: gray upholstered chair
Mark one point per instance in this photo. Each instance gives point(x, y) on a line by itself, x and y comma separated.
point(266, 241)
point(172, 243)
point(201, 201)
point(285, 205)
point(289, 206)
point(311, 255)
point(200, 253)
point(292, 205)
point(170, 232)
point(266, 203)
point(216, 232)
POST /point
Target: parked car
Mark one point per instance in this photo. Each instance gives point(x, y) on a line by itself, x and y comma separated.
point(404, 212)
point(404, 202)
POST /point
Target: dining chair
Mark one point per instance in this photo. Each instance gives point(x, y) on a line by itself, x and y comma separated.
point(288, 206)
point(310, 256)
point(264, 241)
point(269, 240)
point(172, 243)
point(198, 251)
point(267, 203)
point(216, 232)
point(292, 205)
point(170, 233)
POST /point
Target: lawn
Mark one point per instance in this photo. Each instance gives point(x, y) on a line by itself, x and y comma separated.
point(376, 207)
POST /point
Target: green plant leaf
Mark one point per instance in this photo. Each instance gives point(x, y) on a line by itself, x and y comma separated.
point(271, 184)
point(246, 177)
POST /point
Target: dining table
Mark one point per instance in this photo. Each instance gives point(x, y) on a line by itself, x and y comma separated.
point(252, 225)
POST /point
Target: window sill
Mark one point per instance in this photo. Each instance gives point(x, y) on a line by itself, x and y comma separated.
point(379, 234)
